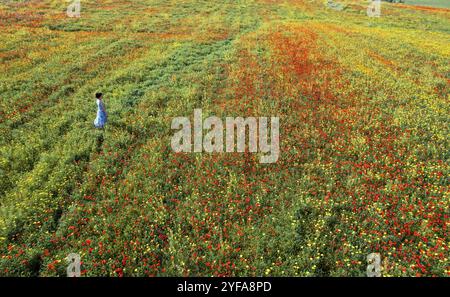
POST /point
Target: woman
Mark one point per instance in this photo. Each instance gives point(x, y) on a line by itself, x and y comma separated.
point(102, 116)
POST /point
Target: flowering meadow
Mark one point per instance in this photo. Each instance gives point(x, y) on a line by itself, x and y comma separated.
point(364, 116)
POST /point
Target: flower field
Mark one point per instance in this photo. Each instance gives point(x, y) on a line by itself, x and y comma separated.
point(364, 138)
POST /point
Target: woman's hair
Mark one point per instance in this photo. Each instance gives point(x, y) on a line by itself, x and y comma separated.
point(98, 95)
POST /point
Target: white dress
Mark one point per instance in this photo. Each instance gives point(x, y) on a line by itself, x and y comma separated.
point(102, 117)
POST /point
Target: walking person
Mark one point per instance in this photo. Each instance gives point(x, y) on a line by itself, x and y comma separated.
point(102, 115)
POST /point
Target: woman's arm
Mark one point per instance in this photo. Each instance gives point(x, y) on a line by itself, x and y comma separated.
point(104, 108)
